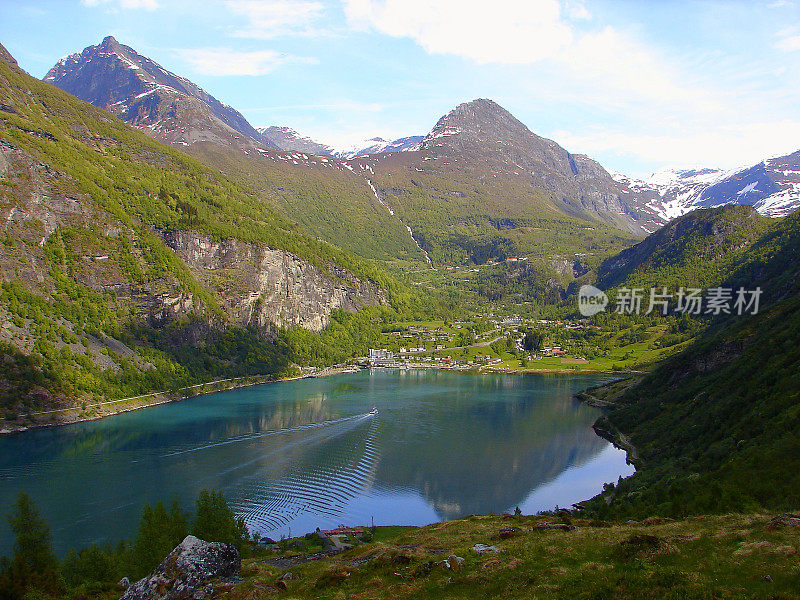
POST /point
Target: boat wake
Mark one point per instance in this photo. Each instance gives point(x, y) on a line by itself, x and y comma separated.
point(317, 495)
point(262, 434)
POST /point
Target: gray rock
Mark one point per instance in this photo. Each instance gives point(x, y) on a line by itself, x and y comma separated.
point(188, 573)
point(484, 549)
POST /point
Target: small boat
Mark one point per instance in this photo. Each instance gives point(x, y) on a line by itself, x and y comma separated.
point(374, 411)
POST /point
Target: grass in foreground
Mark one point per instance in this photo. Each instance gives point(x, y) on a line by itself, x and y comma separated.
point(730, 556)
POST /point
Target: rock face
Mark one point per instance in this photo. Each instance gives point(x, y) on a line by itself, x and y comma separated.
point(261, 286)
point(189, 572)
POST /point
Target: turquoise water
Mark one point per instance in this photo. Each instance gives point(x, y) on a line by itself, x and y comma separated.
point(294, 456)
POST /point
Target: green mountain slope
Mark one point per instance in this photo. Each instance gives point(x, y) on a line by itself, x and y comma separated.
point(717, 427)
point(320, 194)
point(483, 186)
point(699, 248)
point(128, 266)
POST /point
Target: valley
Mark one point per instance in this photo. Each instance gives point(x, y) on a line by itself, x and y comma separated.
point(155, 246)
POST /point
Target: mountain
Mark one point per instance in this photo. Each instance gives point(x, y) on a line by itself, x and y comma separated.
point(502, 178)
point(772, 187)
point(378, 145)
point(324, 197)
point(287, 138)
point(699, 248)
point(716, 426)
point(482, 185)
point(144, 94)
point(129, 266)
point(669, 192)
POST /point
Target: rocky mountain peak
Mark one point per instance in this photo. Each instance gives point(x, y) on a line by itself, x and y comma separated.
point(109, 44)
point(481, 121)
point(141, 92)
point(6, 57)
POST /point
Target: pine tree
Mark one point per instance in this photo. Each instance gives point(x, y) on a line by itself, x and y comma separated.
point(215, 521)
point(33, 565)
point(159, 532)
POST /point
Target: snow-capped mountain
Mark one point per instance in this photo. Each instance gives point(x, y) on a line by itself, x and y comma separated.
point(144, 94)
point(379, 145)
point(287, 138)
point(772, 187)
point(670, 192)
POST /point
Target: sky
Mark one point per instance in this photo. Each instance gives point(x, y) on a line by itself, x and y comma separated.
point(636, 84)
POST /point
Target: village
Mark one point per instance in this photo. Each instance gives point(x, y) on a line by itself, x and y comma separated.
point(487, 343)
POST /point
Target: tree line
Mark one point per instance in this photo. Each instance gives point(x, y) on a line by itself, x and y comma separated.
point(34, 571)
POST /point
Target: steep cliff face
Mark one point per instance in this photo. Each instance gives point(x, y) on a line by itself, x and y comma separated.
point(261, 286)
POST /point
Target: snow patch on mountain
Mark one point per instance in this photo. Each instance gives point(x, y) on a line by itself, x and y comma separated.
point(378, 145)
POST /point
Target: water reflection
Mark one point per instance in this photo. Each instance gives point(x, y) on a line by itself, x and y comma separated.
point(307, 454)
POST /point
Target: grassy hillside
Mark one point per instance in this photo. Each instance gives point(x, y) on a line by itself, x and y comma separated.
point(470, 213)
point(700, 249)
point(732, 557)
point(321, 195)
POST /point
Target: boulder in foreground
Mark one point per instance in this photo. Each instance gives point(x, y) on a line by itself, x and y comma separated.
point(193, 570)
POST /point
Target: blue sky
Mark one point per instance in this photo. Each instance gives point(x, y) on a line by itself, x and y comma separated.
point(635, 84)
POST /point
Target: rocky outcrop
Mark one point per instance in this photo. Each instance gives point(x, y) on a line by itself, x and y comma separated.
point(193, 570)
point(265, 287)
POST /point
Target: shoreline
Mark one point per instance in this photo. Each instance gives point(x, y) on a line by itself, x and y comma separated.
point(164, 397)
point(604, 428)
point(101, 410)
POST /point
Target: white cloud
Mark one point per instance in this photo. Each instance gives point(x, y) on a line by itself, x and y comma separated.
point(619, 67)
point(272, 18)
point(226, 61)
point(578, 11)
point(146, 4)
point(501, 31)
point(789, 43)
point(664, 100)
point(726, 146)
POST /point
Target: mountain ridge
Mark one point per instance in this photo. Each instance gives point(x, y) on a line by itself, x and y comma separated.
point(771, 186)
point(144, 94)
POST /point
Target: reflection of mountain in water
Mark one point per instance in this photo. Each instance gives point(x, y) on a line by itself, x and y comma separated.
point(469, 456)
point(306, 454)
point(105, 471)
